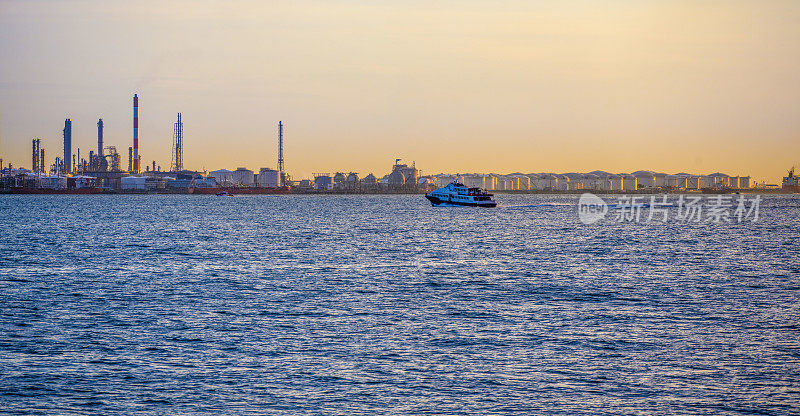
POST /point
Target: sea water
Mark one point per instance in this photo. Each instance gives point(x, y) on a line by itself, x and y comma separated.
point(181, 304)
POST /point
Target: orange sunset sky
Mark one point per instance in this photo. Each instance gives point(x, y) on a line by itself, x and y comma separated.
point(457, 86)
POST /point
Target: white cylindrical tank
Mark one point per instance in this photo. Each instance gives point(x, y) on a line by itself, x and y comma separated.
point(645, 179)
point(629, 182)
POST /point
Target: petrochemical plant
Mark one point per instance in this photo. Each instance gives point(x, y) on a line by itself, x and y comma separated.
point(101, 171)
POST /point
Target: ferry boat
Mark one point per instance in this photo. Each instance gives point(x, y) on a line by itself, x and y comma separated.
point(458, 194)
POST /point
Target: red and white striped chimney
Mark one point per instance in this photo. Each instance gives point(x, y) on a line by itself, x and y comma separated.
point(135, 133)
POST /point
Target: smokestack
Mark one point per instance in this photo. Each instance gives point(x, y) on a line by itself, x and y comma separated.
point(130, 159)
point(41, 162)
point(281, 173)
point(34, 162)
point(135, 133)
point(100, 137)
point(67, 147)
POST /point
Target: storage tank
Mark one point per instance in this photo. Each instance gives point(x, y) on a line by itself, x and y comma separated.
point(490, 182)
point(267, 178)
point(369, 181)
point(352, 182)
point(396, 179)
point(243, 177)
point(338, 180)
point(523, 182)
point(660, 179)
point(542, 182)
point(707, 181)
point(720, 180)
point(611, 183)
point(473, 181)
point(677, 181)
point(444, 179)
point(695, 182)
point(744, 182)
point(590, 181)
point(323, 182)
point(563, 182)
point(645, 179)
point(629, 182)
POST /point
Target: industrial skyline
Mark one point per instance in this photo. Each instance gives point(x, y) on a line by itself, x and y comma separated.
point(569, 86)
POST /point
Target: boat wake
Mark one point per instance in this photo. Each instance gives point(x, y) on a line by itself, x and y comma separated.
point(553, 204)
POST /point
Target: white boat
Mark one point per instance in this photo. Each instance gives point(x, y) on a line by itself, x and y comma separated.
point(458, 194)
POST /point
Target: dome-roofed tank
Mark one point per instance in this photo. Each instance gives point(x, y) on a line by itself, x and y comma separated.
point(397, 178)
point(351, 182)
point(338, 178)
point(370, 180)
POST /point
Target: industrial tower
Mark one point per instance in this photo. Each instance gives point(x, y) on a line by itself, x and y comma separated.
point(282, 177)
point(100, 138)
point(66, 168)
point(36, 168)
point(177, 146)
point(135, 155)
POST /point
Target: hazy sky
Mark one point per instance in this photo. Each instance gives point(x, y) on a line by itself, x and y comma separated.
point(457, 86)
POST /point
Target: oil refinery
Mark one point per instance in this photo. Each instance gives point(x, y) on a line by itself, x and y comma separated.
point(101, 171)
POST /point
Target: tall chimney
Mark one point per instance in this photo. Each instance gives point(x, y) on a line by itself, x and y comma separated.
point(135, 133)
point(100, 137)
point(281, 173)
point(67, 147)
point(35, 158)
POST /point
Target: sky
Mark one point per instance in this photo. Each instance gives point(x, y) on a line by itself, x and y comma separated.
point(455, 86)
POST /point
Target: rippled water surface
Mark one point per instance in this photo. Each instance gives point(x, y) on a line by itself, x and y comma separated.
point(385, 305)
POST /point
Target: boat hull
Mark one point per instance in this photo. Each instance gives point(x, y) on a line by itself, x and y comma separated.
point(438, 202)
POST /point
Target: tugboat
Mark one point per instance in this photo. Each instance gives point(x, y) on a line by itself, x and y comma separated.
point(458, 194)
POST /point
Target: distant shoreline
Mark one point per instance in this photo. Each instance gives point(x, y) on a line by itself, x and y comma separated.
point(333, 193)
